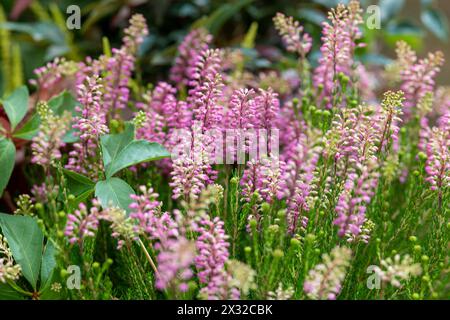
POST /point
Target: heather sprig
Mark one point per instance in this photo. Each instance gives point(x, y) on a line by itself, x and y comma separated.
point(294, 37)
point(46, 146)
point(324, 281)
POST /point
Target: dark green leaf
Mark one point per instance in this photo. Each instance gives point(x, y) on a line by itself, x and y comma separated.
point(16, 106)
point(48, 265)
point(137, 151)
point(114, 192)
point(7, 160)
point(25, 239)
point(8, 293)
point(30, 129)
point(113, 144)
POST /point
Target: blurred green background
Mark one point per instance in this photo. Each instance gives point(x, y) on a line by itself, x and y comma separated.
point(34, 32)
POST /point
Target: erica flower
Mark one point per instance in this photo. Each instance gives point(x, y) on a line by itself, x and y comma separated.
point(82, 223)
point(189, 53)
point(135, 33)
point(119, 68)
point(122, 227)
point(324, 281)
point(242, 276)
point(212, 245)
point(120, 65)
point(418, 77)
point(280, 293)
point(145, 208)
point(267, 108)
point(359, 188)
point(46, 145)
point(293, 36)
point(8, 269)
point(91, 123)
point(297, 179)
point(339, 42)
point(394, 270)
point(192, 170)
point(263, 176)
point(175, 258)
point(389, 119)
point(438, 160)
point(53, 78)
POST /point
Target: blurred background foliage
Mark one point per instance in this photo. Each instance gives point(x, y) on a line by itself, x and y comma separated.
point(33, 32)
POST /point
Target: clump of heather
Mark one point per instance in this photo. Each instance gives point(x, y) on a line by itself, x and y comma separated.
point(296, 181)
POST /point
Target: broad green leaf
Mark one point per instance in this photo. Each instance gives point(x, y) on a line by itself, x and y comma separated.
point(63, 102)
point(16, 106)
point(113, 144)
point(26, 242)
point(114, 192)
point(48, 265)
point(436, 22)
point(137, 151)
point(30, 129)
point(7, 160)
point(78, 185)
point(8, 293)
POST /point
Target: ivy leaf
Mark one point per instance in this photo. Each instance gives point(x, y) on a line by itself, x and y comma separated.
point(48, 265)
point(16, 106)
point(113, 144)
point(137, 151)
point(436, 22)
point(25, 239)
point(7, 160)
point(114, 192)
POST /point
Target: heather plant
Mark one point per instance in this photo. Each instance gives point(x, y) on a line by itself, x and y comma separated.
point(219, 183)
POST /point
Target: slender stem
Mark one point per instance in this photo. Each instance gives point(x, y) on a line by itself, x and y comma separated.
point(147, 255)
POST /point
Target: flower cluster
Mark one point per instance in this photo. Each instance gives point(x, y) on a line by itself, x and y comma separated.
point(47, 144)
point(8, 269)
point(293, 36)
point(394, 270)
point(324, 282)
point(212, 246)
point(196, 42)
point(82, 223)
point(339, 42)
point(417, 76)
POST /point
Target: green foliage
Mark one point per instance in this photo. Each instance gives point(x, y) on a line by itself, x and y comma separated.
point(7, 160)
point(16, 106)
point(114, 192)
point(25, 239)
point(121, 151)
